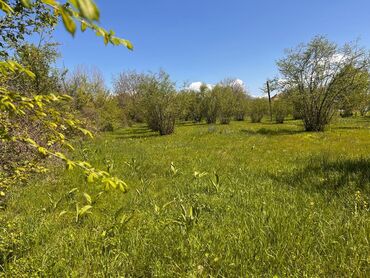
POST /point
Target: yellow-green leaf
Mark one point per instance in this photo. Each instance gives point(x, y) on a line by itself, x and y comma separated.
point(84, 210)
point(88, 198)
point(42, 150)
point(5, 7)
point(68, 22)
point(88, 9)
point(83, 26)
point(26, 3)
point(50, 2)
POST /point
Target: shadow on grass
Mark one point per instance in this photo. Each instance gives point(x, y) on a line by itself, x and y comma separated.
point(190, 123)
point(348, 127)
point(268, 131)
point(321, 174)
point(134, 133)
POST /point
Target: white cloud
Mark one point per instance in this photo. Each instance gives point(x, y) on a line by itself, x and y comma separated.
point(195, 86)
point(239, 82)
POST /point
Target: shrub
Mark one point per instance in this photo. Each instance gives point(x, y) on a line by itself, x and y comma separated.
point(258, 109)
point(158, 102)
point(225, 103)
point(280, 109)
point(210, 107)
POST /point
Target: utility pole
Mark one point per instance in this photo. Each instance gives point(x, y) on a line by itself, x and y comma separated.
point(269, 94)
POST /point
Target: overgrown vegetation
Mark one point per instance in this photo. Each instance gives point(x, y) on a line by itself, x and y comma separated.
point(273, 200)
point(232, 199)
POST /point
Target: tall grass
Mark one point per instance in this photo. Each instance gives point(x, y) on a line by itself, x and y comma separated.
point(238, 200)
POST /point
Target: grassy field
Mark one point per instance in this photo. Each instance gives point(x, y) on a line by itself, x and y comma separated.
point(209, 201)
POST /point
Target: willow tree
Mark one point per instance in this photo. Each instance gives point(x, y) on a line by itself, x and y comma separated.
point(321, 74)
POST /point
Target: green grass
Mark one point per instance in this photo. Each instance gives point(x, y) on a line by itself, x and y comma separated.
point(267, 200)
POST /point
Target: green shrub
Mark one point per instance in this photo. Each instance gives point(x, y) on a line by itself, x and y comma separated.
point(158, 102)
point(280, 110)
point(211, 109)
point(258, 109)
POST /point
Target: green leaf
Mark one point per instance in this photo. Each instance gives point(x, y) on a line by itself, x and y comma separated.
point(5, 7)
point(83, 26)
point(30, 141)
point(88, 9)
point(26, 3)
point(106, 39)
point(127, 43)
point(42, 150)
point(91, 177)
point(70, 165)
point(72, 191)
point(50, 2)
point(68, 22)
point(86, 132)
point(88, 198)
point(118, 41)
point(84, 210)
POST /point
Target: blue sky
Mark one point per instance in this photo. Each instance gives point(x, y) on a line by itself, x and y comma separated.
point(208, 40)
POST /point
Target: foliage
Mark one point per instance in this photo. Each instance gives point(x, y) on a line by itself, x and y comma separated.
point(158, 101)
point(358, 98)
point(281, 108)
point(20, 21)
point(126, 88)
point(92, 100)
point(322, 74)
point(211, 106)
point(40, 109)
point(258, 108)
point(226, 103)
point(191, 105)
point(240, 97)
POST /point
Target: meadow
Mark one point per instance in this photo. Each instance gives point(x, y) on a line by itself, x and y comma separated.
point(234, 200)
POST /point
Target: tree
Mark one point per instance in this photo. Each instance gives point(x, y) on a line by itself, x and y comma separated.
point(39, 60)
point(126, 87)
point(357, 99)
point(158, 101)
point(258, 108)
point(226, 102)
point(92, 100)
point(241, 97)
point(211, 105)
point(321, 74)
point(281, 107)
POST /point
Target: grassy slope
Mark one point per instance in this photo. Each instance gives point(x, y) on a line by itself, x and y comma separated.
point(286, 203)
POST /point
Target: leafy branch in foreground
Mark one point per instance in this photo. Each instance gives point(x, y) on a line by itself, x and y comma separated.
point(40, 109)
point(22, 113)
point(73, 12)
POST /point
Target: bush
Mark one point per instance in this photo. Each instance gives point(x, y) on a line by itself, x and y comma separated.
point(225, 102)
point(210, 107)
point(258, 109)
point(158, 102)
point(280, 109)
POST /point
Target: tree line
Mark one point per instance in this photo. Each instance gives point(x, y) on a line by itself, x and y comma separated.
point(318, 81)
